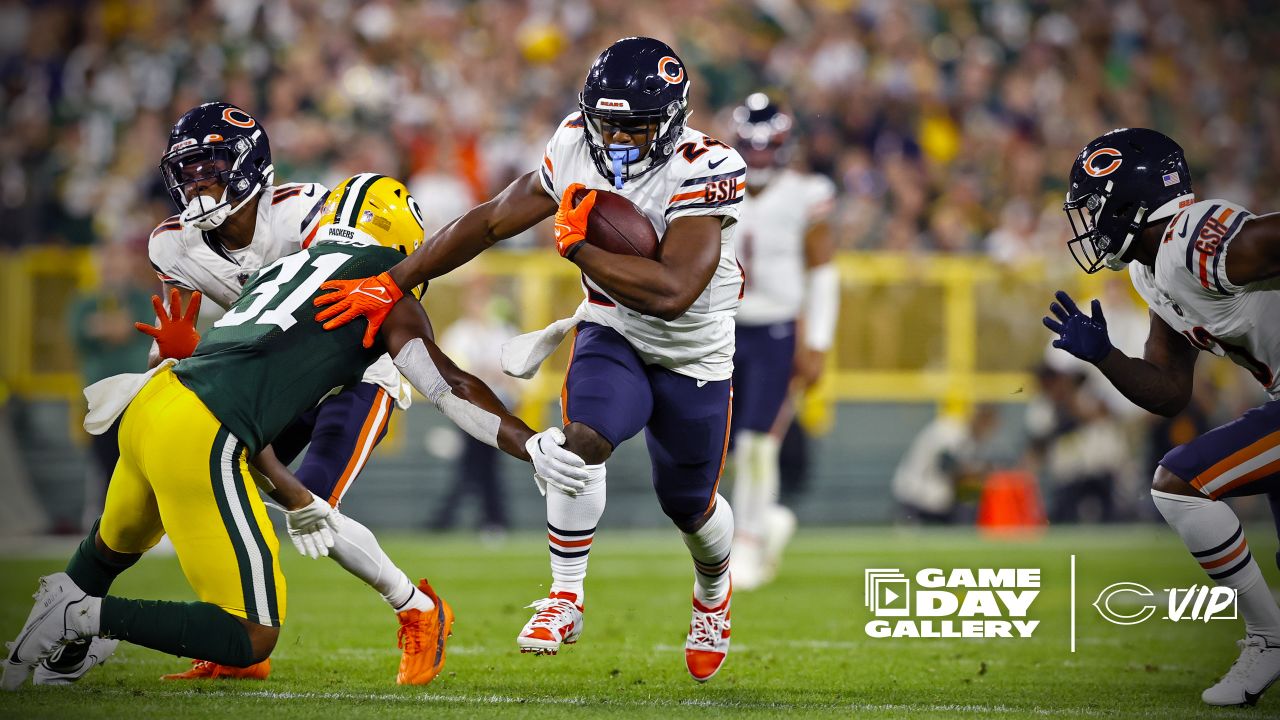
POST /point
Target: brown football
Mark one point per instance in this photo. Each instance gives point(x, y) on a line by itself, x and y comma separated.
point(618, 226)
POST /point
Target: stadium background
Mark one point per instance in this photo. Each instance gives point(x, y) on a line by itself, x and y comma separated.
point(948, 127)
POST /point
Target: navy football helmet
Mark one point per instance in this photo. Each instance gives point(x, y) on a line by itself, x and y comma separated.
point(1121, 183)
point(215, 142)
point(640, 85)
point(763, 136)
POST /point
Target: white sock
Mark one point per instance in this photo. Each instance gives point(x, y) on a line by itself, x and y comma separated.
point(710, 547)
point(745, 481)
point(571, 527)
point(769, 480)
point(756, 482)
point(358, 552)
point(1212, 532)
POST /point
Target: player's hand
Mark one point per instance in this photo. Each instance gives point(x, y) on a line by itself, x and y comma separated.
point(555, 466)
point(809, 364)
point(1079, 334)
point(311, 527)
point(349, 299)
point(176, 335)
point(571, 222)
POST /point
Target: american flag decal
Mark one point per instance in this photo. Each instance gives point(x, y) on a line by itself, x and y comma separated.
point(1170, 179)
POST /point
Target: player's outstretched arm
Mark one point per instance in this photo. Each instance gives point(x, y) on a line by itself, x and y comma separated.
point(666, 287)
point(470, 403)
point(520, 206)
point(1158, 382)
point(1253, 255)
point(516, 209)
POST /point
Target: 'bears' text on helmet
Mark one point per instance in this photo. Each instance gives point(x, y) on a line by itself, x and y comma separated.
point(641, 87)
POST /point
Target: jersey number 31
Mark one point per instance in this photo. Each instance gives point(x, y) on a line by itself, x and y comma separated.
point(281, 315)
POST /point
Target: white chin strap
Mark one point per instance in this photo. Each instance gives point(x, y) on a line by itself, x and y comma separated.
point(205, 213)
point(1168, 210)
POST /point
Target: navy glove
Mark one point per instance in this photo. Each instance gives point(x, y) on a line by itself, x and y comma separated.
point(1081, 335)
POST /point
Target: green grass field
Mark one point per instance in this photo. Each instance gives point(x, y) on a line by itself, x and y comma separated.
point(799, 647)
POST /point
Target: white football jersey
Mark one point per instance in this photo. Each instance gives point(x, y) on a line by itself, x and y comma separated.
point(770, 243)
point(1190, 291)
point(288, 216)
point(703, 177)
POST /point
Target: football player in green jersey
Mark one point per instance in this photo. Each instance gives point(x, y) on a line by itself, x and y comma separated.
point(189, 429)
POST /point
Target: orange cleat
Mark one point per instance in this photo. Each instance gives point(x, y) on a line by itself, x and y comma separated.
point(422, 637)
point(206, 670)
point(708, 642)
point(558, 621)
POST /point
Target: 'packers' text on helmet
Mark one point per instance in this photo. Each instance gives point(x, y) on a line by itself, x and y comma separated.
point(639, 86)
point(373, 209)
point(1121, 183)
point(211, 145)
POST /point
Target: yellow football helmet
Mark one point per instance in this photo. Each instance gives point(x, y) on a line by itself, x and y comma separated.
point(373, 208)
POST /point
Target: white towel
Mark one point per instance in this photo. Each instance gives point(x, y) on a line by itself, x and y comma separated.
point(522, 355)
point(109, 397)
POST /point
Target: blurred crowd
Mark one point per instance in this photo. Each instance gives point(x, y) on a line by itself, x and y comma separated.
point(949, 125)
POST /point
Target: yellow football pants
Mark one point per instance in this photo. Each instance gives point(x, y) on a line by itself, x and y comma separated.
point(182, 473)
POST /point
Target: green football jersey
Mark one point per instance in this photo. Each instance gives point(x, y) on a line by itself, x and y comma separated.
point(267, 360)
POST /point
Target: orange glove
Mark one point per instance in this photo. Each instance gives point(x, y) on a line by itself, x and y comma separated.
point(176, 337)
point(371, 297)
point(571, 222)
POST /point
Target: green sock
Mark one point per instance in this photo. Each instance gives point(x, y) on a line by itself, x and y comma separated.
point(196, 630)
point(91, 570)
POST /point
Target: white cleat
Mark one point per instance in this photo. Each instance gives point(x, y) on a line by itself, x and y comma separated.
point(1250, 675)
point(72, 661)
point(558, 621)
point(708, 643)
point(48, 626)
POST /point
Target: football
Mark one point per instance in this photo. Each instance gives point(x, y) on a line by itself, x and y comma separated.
point(618, 226)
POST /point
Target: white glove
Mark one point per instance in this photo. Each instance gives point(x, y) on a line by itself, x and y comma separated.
point(311, 528)
point(555, 466)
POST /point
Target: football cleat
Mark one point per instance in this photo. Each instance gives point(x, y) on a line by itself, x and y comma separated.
point(70, 662)
point(708, 641)
point(208, 670)
point(1250, 675)
point(558, 620)
point(422, 639)
point(51, 623)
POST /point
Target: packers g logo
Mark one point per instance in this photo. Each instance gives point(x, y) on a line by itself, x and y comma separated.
point(1103, 153)
point(671, 70)
point(238, 117)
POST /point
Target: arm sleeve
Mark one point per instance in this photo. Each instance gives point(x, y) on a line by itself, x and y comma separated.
point(414, 362)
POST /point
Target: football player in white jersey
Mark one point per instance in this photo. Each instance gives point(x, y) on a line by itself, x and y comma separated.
point(233, 222)
point(785, 246)
point(653, 340)
point(1210, 274)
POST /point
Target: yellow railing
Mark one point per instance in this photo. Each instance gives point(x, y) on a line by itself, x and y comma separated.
point(947, 329)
